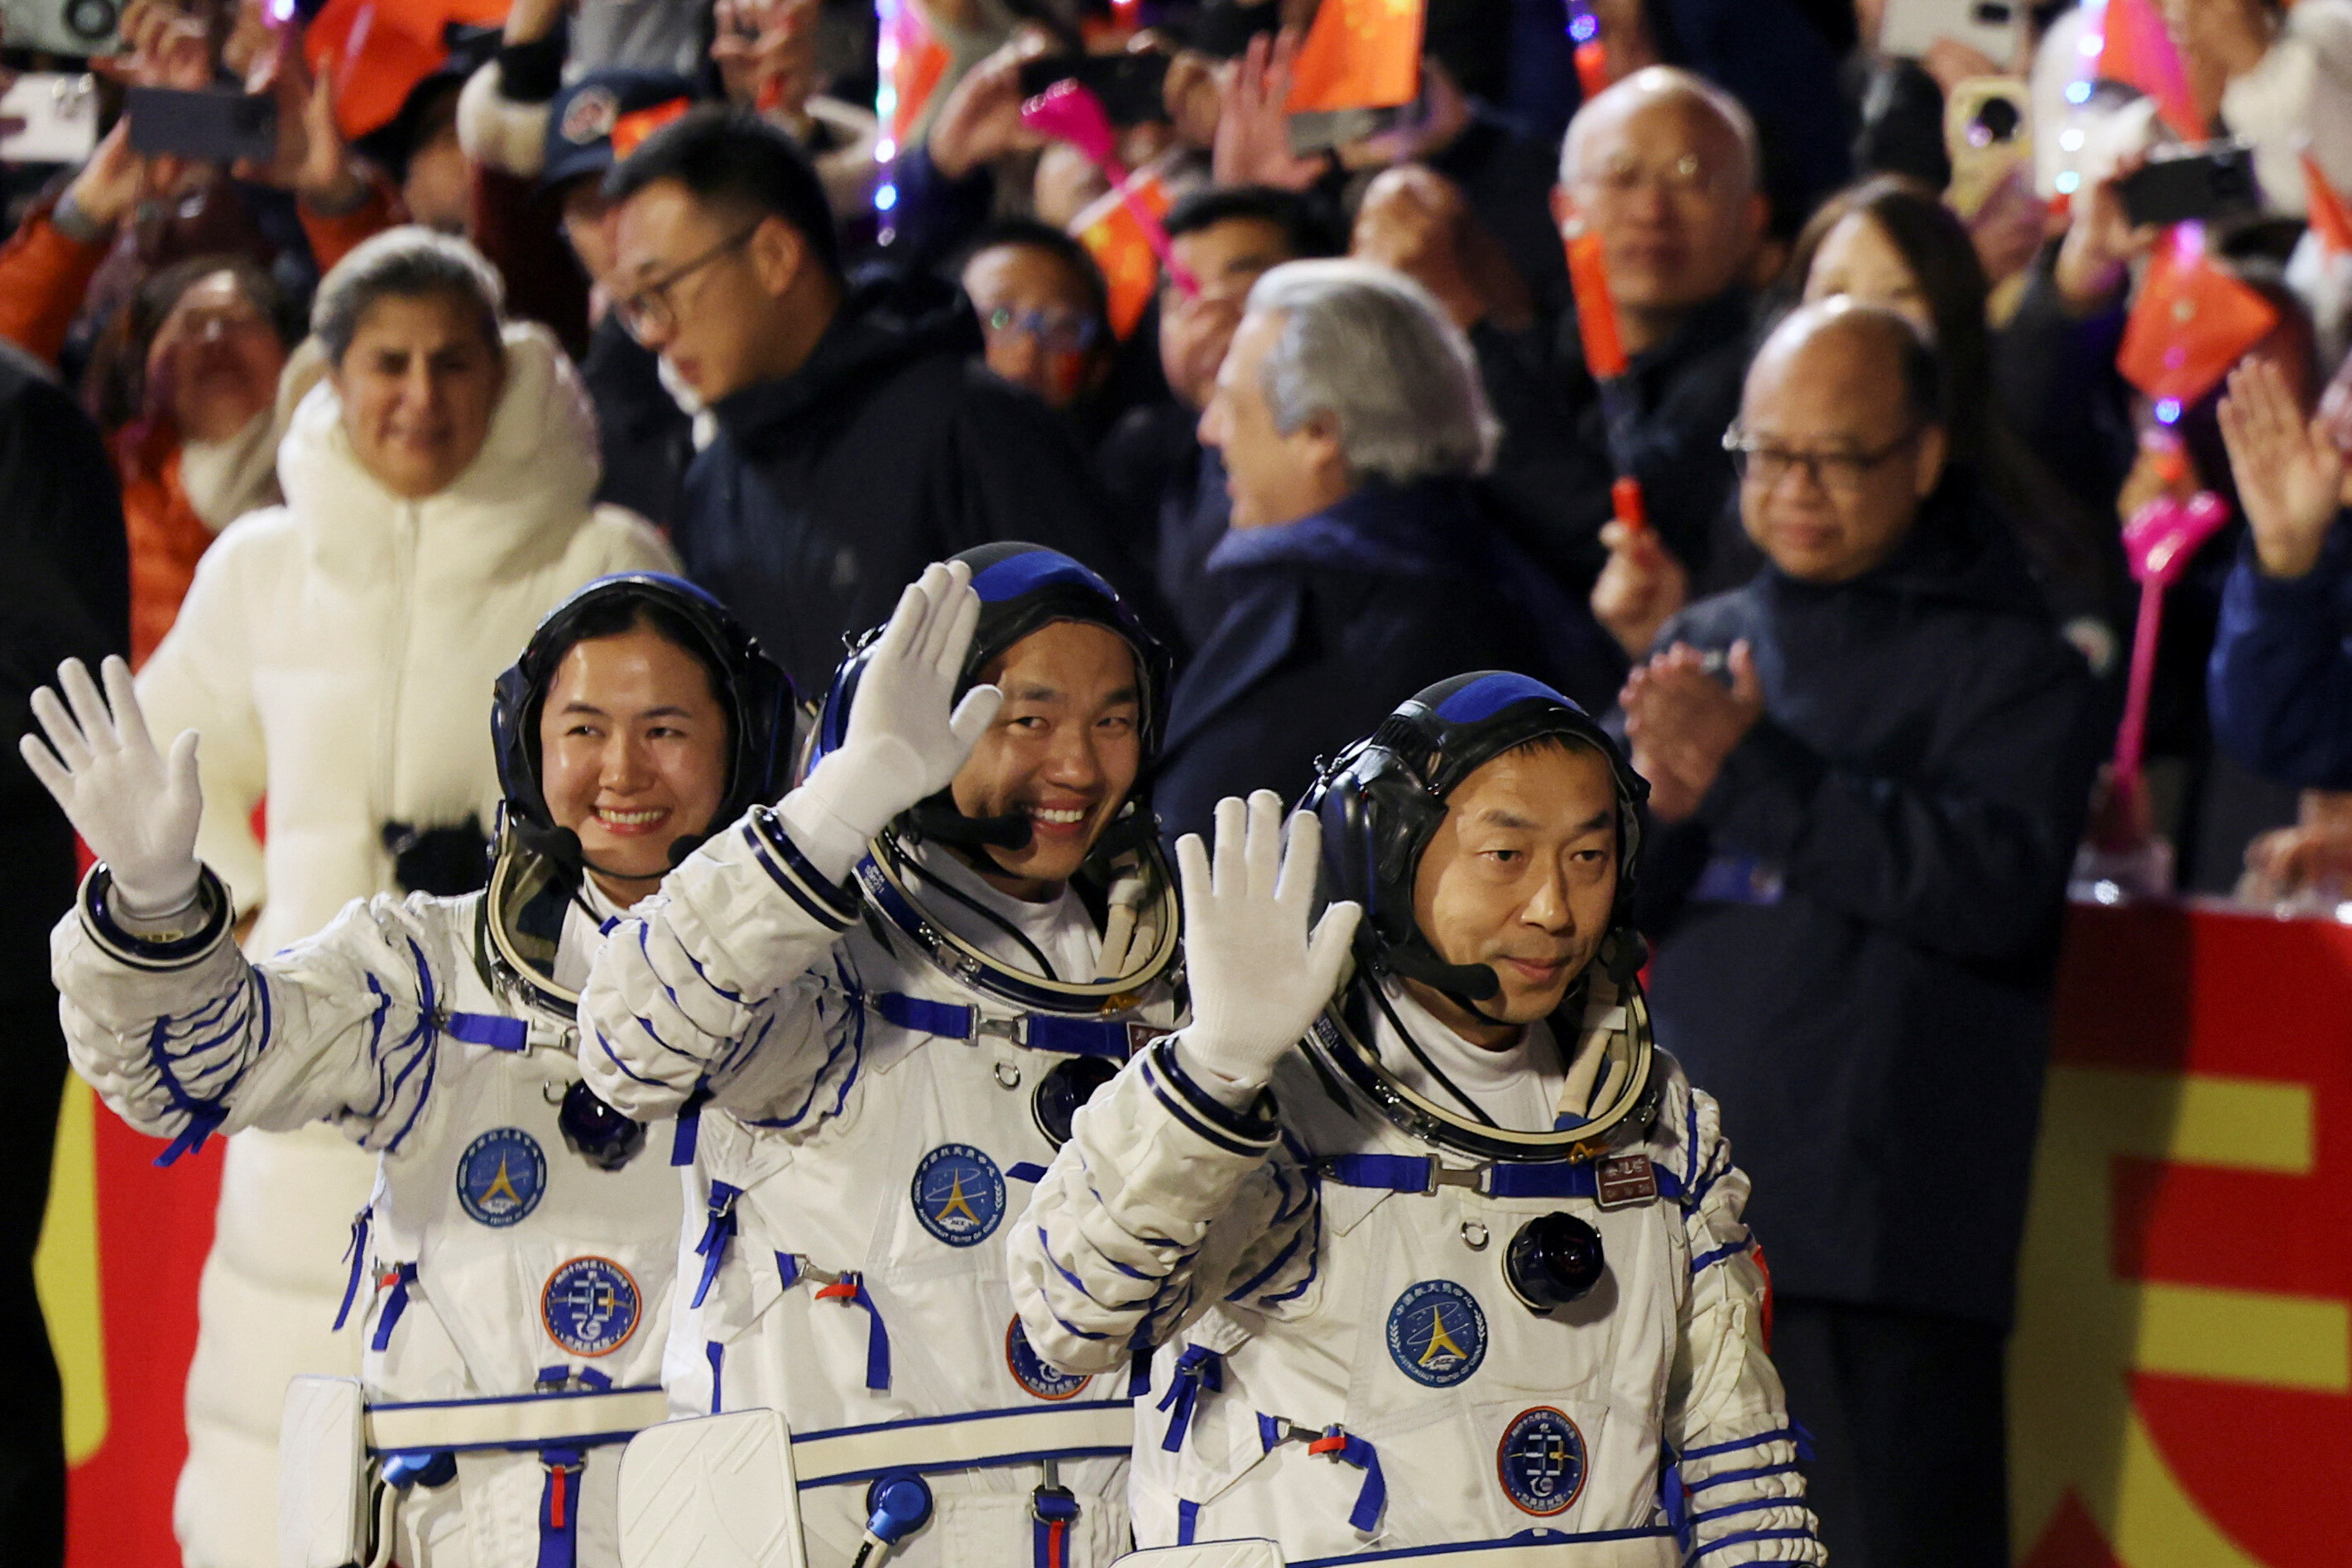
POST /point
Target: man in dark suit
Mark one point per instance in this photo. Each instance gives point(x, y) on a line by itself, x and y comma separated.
point(859, 435)
point(1358, 566)
point(1855, 896)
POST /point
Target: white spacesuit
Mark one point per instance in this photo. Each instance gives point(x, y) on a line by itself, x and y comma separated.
point(512, 1268)
point(882, 1066)
point(1426, 1299)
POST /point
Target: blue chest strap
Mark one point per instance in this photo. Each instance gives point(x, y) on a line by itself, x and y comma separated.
point(1421, 1174)
point(1111, 1038)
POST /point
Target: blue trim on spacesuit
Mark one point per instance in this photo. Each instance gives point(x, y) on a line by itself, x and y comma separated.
point(716, 1233)
point(1080, 1285)
point(357, 1253)
point(1202, 1112)
point(394, 1306)
point(1745, 1536)
point(1723, 1478)
point(205, 1115)
point(1198, 1370)
point(831, 905)
point(1778, 1433)
point(992, 1461)
point(422, 1036)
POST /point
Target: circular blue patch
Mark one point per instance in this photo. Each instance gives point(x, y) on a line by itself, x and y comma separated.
point(959, 1194)
point(1437, 1333)
point(590, 1306)
point(501, 1176)
point(1032, 1372)
point(1542, 1462)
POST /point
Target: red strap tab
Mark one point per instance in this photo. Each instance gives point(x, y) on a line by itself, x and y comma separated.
point(555, 1498)
point(1331, 1442)
point(839, 1291)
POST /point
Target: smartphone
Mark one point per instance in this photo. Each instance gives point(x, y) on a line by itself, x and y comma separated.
point(48, 117)
point(1130, 85)
point(1988, 133)
point(205, 125)
point(2200, 181)
point(1991, 27)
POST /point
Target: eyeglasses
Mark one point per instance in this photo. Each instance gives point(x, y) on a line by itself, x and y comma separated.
point(1686, 176)
point(1765, 466)
point(651, 309)
point(1055, 331)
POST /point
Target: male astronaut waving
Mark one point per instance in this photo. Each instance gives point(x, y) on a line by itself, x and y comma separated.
point(513, 1266)
point(1466, 1275)
point(878, 1063)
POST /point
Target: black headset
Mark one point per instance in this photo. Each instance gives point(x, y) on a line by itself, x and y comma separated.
point(1024, 587)
point(1381, 800)
point(753, 689)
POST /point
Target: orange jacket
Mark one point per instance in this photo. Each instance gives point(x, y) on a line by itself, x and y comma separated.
point(166, 535)
point(43, 277)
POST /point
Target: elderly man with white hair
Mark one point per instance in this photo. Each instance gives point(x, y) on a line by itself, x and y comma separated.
point(1360, 567)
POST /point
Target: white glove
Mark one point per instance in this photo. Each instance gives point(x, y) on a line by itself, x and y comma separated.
point(1258, 976)
point(903, 744)
point(134, 808)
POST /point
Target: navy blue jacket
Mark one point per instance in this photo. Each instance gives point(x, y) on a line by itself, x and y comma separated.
point(828, 491)
point(1856, 932)
point(2280, 683)
point(1332, 619)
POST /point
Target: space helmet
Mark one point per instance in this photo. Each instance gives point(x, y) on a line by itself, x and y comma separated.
point(1379, 802)
point(533, 853)
point(1125, 879)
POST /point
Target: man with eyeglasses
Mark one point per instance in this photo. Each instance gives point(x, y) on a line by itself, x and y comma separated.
point(1869, 766)
point(1663, 167)
point(858, 437)
point(1045, 315)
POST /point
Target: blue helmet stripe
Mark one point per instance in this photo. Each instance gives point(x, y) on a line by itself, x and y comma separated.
point(1484, 698)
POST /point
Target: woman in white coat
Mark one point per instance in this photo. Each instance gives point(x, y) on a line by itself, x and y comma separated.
point(337, 654)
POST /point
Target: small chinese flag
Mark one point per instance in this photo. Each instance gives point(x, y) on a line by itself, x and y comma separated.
point(1107, 226)
point(917, 62)
point(629, 132)
point(1596, 311)
point(2138, 52)
point(1359, 54)
point(2324, 209)
point(2191, 322)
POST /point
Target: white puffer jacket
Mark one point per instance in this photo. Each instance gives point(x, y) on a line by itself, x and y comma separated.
point(337, 655)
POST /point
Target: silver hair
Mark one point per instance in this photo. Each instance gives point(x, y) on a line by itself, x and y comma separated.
point(1369, 350)
point(1654, 84)
point(409, 262)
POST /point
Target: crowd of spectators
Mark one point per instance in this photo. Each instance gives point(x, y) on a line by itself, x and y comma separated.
point(795, 298)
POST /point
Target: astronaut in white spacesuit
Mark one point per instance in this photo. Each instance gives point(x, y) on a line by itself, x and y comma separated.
point(880, 1003)
point(1465, 1274)
point(513, 1266)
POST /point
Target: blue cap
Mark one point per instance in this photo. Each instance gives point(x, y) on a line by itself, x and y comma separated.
point(580, 121)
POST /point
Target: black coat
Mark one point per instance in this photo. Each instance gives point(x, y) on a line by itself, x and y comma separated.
point(1856, 934)
point(828, 491)
point(1333, 620)
point(646, 441)
point(68, 596)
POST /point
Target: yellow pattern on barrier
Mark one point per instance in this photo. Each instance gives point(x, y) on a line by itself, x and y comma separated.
point(65, 1271)
point(2082, 1332)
